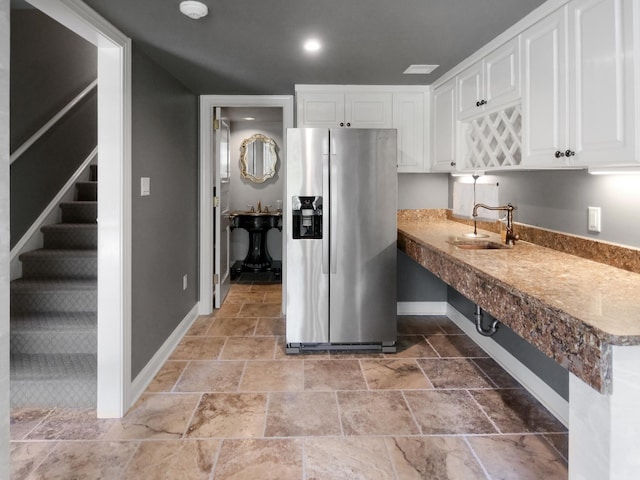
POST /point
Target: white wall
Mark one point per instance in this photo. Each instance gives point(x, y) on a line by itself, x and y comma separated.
point(4, 238)
point(244, 192)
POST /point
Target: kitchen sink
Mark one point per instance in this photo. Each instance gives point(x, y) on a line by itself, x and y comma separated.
point(479, 245)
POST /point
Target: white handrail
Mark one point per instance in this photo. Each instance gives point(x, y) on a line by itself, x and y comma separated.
point(35, 227)
point(34, 138)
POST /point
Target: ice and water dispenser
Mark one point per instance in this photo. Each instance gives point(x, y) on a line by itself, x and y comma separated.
point(307, 217)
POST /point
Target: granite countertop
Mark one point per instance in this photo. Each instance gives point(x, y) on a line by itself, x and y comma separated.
point(570, 308)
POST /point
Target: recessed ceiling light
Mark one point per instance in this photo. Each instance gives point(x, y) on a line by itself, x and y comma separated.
point(420, 69)
point(249, 118)
point(312, 45)
point(193, 9)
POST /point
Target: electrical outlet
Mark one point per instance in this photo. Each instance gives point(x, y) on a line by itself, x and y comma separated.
point(595, 219)
point(184, 282)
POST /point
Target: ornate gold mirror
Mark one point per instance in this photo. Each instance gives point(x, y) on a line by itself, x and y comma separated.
point(258, 158)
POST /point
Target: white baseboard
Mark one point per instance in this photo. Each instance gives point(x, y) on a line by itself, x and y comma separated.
point(144, 378)
point(557, 405)
point(422, 308)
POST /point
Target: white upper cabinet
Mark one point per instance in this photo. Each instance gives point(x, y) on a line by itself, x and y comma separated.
point(579, 102)
point(491, 83)
point(603, 86)
point(320, 109)
point(405, 108)
point(470, 85)
point(443, 138)
point(339, 108)
point(368, 110)
point(409, 119)
point(544, 102)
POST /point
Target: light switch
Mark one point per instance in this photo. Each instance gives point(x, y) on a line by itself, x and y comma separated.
point(145, 186)
point(594, 219)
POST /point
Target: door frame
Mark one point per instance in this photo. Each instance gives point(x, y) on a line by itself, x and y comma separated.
point(207, 104)
point(114, 191)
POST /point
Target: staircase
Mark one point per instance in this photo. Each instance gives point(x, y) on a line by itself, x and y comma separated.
point(54, 311)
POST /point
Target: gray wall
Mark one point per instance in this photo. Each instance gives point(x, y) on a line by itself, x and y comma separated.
point(50, 65)
point(4, 239)
point(244, 192)
point(544, 367)
point(558, 200)
point(165, 224)
point(417, 191)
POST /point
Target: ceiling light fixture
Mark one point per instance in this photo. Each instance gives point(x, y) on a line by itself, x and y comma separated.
point(420, 69)
point(193, 9)
point(249, 118)
point(312, 45)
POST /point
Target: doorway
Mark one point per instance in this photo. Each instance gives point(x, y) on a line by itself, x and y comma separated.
point(114, 191)
point(208, 213)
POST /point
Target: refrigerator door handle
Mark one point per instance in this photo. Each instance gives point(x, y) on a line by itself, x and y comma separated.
point(325, 214)
point(333, 211)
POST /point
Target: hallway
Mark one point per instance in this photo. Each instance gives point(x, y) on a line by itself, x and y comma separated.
point(229, 404)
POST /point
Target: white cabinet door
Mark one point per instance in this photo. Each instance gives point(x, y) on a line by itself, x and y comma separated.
point(320, 109)
point(544, 109)
point(579, 86)
point(502, 75)
point(368, 110)
point(339, 109)
point(409, 120)
point(490, 83)
point(602, 102)
point(470, 91)
point(443, 139)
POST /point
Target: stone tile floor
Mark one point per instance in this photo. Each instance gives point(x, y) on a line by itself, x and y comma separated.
point(229, 404)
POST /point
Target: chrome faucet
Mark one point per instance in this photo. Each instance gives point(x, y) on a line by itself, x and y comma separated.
point(511, 237)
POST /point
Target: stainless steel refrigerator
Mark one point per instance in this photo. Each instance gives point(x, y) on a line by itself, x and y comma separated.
point(341, 231)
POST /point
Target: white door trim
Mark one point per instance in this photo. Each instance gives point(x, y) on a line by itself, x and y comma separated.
point(207, 103)
point(114, 191)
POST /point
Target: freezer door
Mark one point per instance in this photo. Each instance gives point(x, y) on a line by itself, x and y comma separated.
point(307, 262)
point(363, 230)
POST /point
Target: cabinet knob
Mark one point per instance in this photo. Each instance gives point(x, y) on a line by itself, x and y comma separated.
point(342, 124)
point(569, 153)
point(559, 153)
point(481, 102)
point(348, 124)
point(453, 164)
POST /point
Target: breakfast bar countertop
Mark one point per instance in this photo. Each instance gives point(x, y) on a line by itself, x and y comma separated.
point(570, 308)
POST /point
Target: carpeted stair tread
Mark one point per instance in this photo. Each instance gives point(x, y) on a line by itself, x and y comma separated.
point(60, 380)
point(21, 285)
point(53, 321)
point(53, 295)
point(58, 366)
point(87, 191)
point(71, 236)
point(79, 212)
point(59, 252)
point(52, 333)
point(60, 263)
